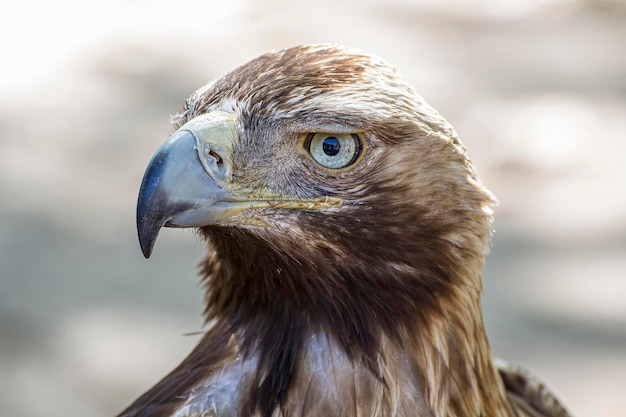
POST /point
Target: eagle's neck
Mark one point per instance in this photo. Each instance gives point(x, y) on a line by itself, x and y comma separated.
point(405, 337)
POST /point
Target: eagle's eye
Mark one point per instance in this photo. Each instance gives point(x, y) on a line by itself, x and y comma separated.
point(334, 151)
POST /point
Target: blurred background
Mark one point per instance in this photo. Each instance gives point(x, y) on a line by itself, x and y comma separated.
point(535, 88)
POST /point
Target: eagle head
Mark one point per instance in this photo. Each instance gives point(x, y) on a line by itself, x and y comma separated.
point(334, 201)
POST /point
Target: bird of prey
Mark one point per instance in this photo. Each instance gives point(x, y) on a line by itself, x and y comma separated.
point(346, 231)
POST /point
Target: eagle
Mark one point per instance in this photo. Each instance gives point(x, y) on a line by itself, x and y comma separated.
point(346, 231)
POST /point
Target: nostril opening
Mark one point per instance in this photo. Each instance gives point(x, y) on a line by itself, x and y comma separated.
point(212, 160)
point(218, 159)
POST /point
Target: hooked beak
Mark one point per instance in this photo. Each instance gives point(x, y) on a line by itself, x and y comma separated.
point(187, 178)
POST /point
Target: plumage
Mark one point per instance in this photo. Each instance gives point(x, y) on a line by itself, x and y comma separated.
point(351, 289)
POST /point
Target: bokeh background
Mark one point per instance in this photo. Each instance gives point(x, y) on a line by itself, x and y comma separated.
point(535, 88)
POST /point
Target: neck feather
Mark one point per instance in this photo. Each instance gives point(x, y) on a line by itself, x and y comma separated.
point(428, 313)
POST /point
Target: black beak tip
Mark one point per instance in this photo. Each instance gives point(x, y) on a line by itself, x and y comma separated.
point(151, 202)
point(147, 232)
point(146, 252)
point(146, 249)
point(150, 216)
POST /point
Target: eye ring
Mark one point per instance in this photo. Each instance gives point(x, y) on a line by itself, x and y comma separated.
point(334, 151)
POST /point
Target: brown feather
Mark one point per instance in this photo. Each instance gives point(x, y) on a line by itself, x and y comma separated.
point(371, 309)
point(530, 397)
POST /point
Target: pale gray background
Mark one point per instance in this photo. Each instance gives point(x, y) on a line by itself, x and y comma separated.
point(536, 89)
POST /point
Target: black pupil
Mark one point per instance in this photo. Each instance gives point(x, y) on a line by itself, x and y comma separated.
point(331, 146)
